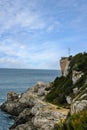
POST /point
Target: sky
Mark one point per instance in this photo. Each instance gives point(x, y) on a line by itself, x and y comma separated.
point(35, 34)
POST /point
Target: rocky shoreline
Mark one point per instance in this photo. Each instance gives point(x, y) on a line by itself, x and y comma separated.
point(31, 111)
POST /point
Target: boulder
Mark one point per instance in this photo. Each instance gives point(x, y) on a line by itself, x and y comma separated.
point(75, 91)
point(68, 99)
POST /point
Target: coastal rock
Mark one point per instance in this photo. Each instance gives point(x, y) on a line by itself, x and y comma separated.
point(40, 116)
point(32, 113)
point(15, 105)
point(12, 96)
point(25, 126)
point(45, 119)
point(24, 116)
point(39, 89)
point(11, 104)
point(9, 107)
point(14, 108)
point(38, 86)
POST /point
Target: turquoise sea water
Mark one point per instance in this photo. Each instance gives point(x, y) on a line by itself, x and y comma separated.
point(19, 80)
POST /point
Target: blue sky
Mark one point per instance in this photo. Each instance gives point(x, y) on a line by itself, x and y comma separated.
point(37, 33)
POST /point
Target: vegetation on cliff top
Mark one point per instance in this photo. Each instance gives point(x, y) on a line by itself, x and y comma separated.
point(63, 86)
point(79, 62)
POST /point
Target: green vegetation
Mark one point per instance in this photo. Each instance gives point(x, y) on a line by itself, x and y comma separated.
point(78, 121)
point(75, 122)
point(82, 94)
point(60, 88)
point(79, 62)
point(63, 86)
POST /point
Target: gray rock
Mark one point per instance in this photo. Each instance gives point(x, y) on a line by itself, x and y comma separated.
point(84, 96)
point(75, 90)
point(78, 106)
point(68, 99)
point(31, 112)
point(12, 96)
point(25, 126)
point(76, 75)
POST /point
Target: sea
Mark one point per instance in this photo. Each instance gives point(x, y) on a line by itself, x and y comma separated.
point(19, 80)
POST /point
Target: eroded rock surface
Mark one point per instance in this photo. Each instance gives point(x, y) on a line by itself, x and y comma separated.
point(31, 111)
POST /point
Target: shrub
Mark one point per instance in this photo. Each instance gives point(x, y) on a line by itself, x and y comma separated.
point(78, 121)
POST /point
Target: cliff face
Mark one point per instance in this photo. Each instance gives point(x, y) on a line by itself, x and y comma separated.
point(68, 91)
point(66, 88)
point(71, 91)
point(64, 63)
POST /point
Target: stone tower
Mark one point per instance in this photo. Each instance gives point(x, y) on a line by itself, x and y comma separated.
point(64, 63)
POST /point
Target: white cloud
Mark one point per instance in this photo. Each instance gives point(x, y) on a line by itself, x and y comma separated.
point(30, 19)
point(12, 14)
point(24, 14)
point(18, 55)
point(31, 31)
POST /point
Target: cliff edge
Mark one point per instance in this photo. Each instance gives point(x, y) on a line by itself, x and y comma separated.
point(70, 91)
point(59, 105)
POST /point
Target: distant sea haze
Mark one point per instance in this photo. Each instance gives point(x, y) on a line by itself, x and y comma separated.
point(19, 80)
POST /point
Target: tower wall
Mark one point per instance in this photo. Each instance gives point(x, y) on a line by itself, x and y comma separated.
point(63, 63)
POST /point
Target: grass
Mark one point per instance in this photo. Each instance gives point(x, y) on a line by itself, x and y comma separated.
point(78, 121)
point(75, 122)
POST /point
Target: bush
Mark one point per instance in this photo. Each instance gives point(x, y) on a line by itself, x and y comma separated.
point(75, 122)
point(61, 87)
point(78, 121)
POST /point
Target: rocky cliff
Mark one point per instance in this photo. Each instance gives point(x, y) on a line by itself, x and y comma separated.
point(71, 91)
point(34, 109)
point(31, 111)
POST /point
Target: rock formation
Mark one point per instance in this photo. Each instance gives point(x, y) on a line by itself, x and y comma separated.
point(31, 111)
point(76, 75)
point(70, 90)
